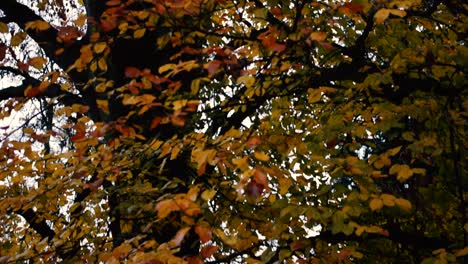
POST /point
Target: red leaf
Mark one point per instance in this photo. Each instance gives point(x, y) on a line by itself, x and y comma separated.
point(3, 49)
point(212, 66)
point(204, 232)
point(208, 250)
point(132, 72)
point(353, 7)
point(254, 189)
point(113, 2)
point(155, 122)
point(79, 135)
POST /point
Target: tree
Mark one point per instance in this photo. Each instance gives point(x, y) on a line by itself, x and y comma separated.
point(233, 131)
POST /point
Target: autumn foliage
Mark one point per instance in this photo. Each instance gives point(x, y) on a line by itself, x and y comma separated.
point(233, 131)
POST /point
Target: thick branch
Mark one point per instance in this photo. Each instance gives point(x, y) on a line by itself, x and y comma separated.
point(53, 91)
point(39, 225)
point(47, 39)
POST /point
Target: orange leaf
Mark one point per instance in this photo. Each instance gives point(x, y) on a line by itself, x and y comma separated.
point(179, 237)
point(318, 36)
point(177, 121)
point(165, 207)
point(204, 232)
point(254, 141)
point(208, 250)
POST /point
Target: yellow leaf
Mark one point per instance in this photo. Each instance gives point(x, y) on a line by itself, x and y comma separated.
point(121, 251)
point(247, 80)
point(461, 252)
point(419, 171)
point(318, 36)
point(261, 156)
point(3, 28)
point(394, 151)
point(403, 204)
point(103, 105)
point(404, 173)
point(37, 62)
point(381, 15)
point(175, 152)
point(208, 194)
point(376, 204)
point(99, 47)
point(179, 104)
point(387, 199)
point(167, 67)
point(17, 39)
point(395, 169)
point(139, 33)
point(314, 95)
point(37, 25)
point(100, 88)
point(102, 64)
point(193, 193)
point(28, 130)
point(397, 12)
point(241, 163)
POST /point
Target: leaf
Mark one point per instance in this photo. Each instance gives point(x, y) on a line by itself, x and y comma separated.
point(397, 12)
point(167, 67)
point(261, 156)
point(253, 142)
point(208, 250)
point(381, 15)
point(121, 251)
point(461, 252)
point(103, 105)
point(314, 95)
point(394, 151)
point(102, 64)
point(17, 39)
point(139, 33)
point(376, 204)
point(37, 25)
point(3, 49)
point(3, 28)
point(165, 207)
point(132, 72)
point(241, 163)
point(404, 173)
point(208, 194)
point(37, 62)
point(403, 204)
point(247, 80)
point(99, 47)
point(354, 7)
point(387, 199)
point(204, 232)
point(254, 190)
point(318, 36)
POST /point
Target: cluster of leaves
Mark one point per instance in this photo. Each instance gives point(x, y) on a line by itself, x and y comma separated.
point(233, 131)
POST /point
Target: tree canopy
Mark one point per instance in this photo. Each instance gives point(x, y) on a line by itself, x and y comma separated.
point(233, 131)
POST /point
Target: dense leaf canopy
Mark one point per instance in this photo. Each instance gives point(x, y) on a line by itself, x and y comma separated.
point(233, 131)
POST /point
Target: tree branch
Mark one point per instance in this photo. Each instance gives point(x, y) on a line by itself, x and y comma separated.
point(48, 39)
